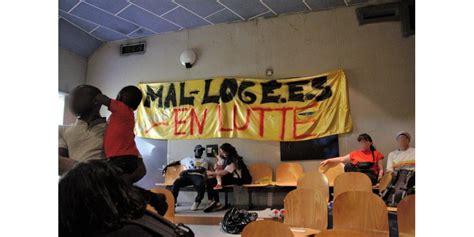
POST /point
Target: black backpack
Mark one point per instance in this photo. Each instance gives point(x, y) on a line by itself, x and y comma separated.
point(245, 177)
point(236, 219)
point(159, 226)
point(402, 185)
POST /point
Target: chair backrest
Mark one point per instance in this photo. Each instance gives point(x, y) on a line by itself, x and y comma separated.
point(316, 181)
point(345, 233)
point(288, 173)
point(169, 215)
point(359, 210)
point(406, 215)
point(385, 181)
point(266, 228)
point(332, 170)
point(306, 208)
point(261, 173)
point(352, 181)
point(172, 173)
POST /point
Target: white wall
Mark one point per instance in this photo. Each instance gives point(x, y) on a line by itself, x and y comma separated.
point(378, 61)
point(72, 72)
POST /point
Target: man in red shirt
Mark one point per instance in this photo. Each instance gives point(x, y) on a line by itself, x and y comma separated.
point(119, 139)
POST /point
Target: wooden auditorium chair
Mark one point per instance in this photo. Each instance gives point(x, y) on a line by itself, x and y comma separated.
point(406, 215)
point(266, 228)
point(331, 171)
point(360, 210)
point(306, 208)
point(262, 180)
point(351, 181)
point(314, 180)
point(287, 174)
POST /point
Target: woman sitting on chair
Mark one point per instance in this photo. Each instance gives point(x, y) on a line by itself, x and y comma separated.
point(230, 174)
point(366, 160)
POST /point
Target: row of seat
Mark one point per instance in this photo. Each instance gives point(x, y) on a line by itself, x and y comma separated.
point(353, 210)
point(291, 175)
point(355, 205)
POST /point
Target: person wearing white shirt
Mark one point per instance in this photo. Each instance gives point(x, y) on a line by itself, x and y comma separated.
point(193, 174)
point(404, 156)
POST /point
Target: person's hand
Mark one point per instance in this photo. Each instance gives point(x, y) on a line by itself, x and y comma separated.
point(323, 163)
point(102, 99)
point(380, 176)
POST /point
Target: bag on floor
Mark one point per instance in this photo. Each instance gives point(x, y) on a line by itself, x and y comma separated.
point(402, 185)
point(160, 226)
point(236, 219)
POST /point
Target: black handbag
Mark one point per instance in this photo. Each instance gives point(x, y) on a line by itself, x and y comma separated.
point(364, 166)
point(236, 219)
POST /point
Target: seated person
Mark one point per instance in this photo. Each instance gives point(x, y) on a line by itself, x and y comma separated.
point(366, 160)
point(218, 167)
point(231, 174)
point(119, 140)
point(195, 170)
point(404, 156)
point(82, 140)
point(95, 201)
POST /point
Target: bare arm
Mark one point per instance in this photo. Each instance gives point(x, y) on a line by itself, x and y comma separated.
point(102, 99)
point(380, 164)
point(341, 159)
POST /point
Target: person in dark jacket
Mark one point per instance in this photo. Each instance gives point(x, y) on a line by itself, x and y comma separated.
point(95, 201)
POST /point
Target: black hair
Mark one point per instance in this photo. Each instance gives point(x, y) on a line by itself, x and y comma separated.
point(366, 137)
point(91, 90)
point(131, 96)
point(232, 155)
point(94, 199)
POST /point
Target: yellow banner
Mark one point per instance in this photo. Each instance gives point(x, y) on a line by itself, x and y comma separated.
point(291, 109)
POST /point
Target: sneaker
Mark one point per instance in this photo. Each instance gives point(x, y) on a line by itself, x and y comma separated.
point(218, 187)
point(211, 206)
point(195, 206)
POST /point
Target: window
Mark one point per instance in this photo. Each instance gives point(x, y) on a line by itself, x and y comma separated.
point(62, 99)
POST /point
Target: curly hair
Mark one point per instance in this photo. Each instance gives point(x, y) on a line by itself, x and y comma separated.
point(94, 199)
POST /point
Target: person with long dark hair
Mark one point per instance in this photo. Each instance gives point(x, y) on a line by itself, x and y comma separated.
point(231, 174)
point(95, 201)
point(367, 159)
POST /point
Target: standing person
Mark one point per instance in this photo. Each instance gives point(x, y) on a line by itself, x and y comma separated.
point(119, 140)
point(366, 160)
point(404, 156)
point(82, 140)
point(195, 170)
point(231, 174)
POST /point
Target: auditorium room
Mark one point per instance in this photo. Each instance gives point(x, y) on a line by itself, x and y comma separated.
point(236, 118)
point(229, 118)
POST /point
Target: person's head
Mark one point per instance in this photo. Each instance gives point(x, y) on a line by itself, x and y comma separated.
point(94, 199)
point(403, 139)
point(82, 100)
point(227, 151)
point(198, 150)
point(365, 142)
point(131, 96)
